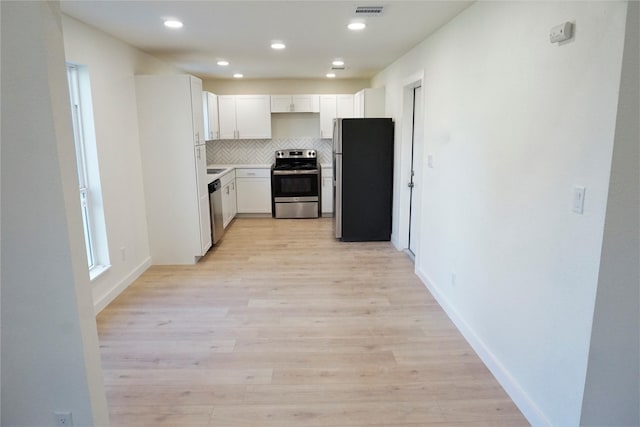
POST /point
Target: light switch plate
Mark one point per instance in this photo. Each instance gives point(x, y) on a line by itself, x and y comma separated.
point(578, 200)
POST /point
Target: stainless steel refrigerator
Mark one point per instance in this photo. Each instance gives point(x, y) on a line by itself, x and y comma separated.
point(363, 179)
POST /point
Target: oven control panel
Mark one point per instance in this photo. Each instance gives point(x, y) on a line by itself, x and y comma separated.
point(296, 154)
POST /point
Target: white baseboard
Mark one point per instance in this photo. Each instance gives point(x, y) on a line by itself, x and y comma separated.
point(522, 400)
point(110, 295)
point(395, 242)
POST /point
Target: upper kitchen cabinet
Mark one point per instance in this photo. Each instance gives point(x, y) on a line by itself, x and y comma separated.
point(211, 123)
point(331, 107)
point(369, 103)
point(244, 116)
point(170, 122)
point(295, 104)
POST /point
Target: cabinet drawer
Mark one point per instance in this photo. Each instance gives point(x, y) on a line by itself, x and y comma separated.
point(253, 173)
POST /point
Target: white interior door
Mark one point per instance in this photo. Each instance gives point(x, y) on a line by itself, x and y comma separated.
point(416, 170)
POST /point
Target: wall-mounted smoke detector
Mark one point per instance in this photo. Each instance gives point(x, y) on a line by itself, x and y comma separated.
point(369, 10)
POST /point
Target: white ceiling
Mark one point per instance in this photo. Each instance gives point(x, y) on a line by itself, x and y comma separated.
point(241, 31)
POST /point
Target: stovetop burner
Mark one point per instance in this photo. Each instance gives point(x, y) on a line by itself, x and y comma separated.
point(296, 166)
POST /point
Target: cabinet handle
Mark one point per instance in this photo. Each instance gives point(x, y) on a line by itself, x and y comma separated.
point(217, 134)
point(291, 107)
point(197, 137)
point(227, 188)
point(198, 153)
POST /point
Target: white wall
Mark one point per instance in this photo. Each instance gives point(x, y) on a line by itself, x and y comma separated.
point(50, 358)
point(283, 86)
point(612, 392)
point(112, 65)
point(514, 123)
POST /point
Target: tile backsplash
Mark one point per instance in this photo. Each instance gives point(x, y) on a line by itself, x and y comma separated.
point(256, 151)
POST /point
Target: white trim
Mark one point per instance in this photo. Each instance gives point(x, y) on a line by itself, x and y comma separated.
point(522, 400)
point(405, 127)
point(97, 271)
point(112, 294)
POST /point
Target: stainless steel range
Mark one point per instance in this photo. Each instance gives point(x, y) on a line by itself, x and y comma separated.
point(295, 184)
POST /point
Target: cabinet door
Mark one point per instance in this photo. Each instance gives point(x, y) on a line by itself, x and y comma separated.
point(253, 116)
point(327, 194)
point(199, 136)
point(281, 104)
point(233, 199)
point(227, 116)
point(345, 104)
point(358, 105)
point(253, 195)
point(205, 110)
point(226, 205)
point(306, 103)
point(203, 198)
point(327, 114)
point(212, 117)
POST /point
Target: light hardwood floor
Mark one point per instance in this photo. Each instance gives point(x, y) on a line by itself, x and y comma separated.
point(281, 325)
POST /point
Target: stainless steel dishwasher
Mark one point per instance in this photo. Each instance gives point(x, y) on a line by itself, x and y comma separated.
point(215, 207)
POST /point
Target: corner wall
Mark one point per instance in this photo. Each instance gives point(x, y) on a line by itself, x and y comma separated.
point(50, 358)
point(112, 65)
point(514, 123)
point(612, 394)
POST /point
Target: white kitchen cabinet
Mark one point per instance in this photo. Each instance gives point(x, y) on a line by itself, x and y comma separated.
point(328, 112)
point(203, 198)
point(171, 123)
point(331, 107)
point(253, 190)
point(211, 121)
point(229, 206)
point(197, 114)
point(244, 116)
point(345, 105)
point(327, 191)
point(369, 103)
point(295, 104)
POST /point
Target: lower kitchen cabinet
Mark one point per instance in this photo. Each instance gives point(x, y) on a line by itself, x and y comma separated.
point(229, 205)
point(253, 190)
point(327, 191)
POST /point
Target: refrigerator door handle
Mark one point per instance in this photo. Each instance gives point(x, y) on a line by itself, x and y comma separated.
point(338, 195)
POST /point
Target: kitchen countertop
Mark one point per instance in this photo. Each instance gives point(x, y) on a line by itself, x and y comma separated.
point(228, 168)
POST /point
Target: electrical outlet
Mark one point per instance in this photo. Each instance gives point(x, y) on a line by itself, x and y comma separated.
point(62, 419)
point(430, 161)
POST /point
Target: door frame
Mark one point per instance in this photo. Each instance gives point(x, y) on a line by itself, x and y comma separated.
point(415, 193)
point(401, 241)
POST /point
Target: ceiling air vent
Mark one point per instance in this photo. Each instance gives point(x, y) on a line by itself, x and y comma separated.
point(369, 10)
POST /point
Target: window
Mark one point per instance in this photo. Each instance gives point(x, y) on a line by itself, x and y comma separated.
point(87, 167)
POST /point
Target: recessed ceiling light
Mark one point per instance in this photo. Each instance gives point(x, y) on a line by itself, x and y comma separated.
point(337, 63)
point(172, 23)
point(238, 76)
point(356, 26)
point(223, 63)
point(331, 75)
point(277, 45)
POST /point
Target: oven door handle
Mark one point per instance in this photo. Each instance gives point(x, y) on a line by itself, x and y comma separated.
point(296, 172)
